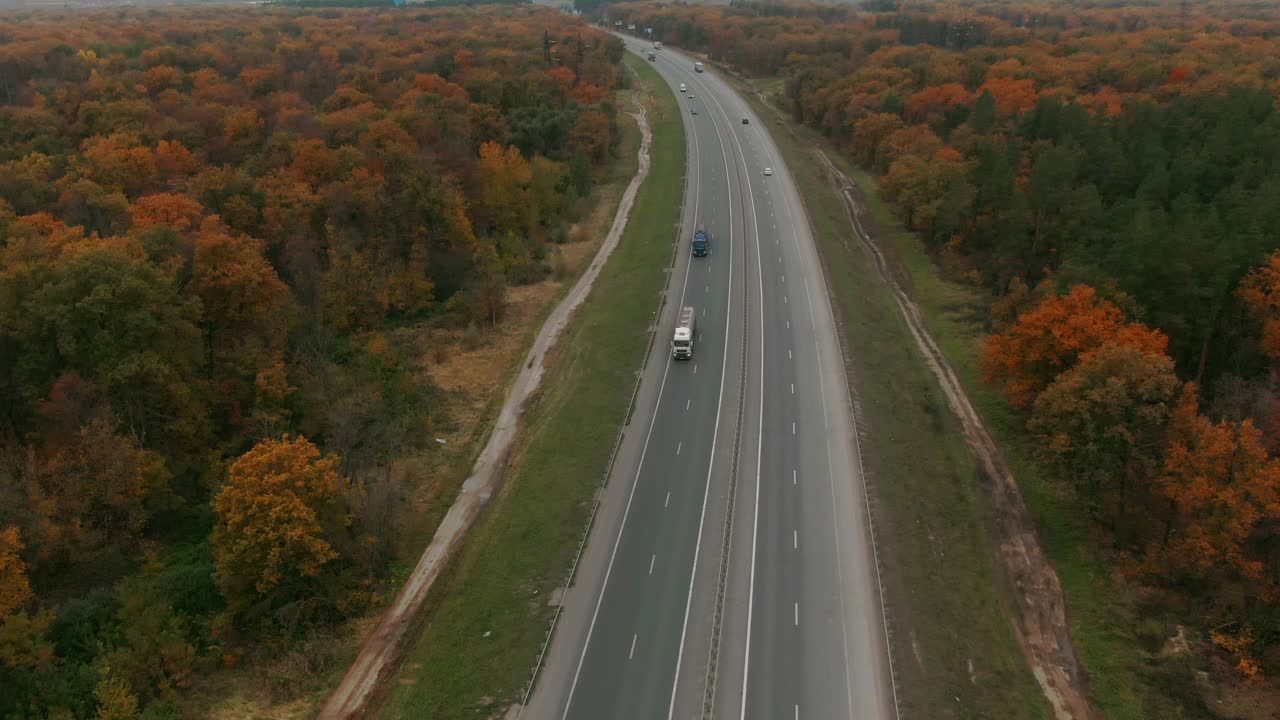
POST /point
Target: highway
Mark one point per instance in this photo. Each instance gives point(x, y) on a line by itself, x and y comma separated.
point(730, 570)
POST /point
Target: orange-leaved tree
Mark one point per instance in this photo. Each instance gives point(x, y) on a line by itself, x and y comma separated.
point(504, 175)
point(15, 588)
point(1260, 292)
point(243, 302)
point(90, 489)
point(23, 643)
point(177, 211)
point(1051, 337)
point(1222, 494)
point(282, 511)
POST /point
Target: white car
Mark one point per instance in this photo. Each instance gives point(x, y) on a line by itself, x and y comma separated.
point(768, 171)
point(690, 96)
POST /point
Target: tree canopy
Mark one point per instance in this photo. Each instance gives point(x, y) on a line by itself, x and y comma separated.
point(219, 228)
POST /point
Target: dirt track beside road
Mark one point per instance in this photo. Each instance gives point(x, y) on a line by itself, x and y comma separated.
point(1039, 621)
point(380, 653)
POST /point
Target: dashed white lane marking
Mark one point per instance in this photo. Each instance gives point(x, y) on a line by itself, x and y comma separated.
point(708, 289)
point(797, 712)
point(789, 357)
point(668, 500)
point(793, 427)
point(704, 311)
point(695, 368)
point(784, 278)
point(689, 400)
point(678, 446)
point(795, 612)
point(651, 559)
point(633, 647)
point(793, 390)
point(793, 480)
point(795, 544)
point(784, 299)
point(788, 322)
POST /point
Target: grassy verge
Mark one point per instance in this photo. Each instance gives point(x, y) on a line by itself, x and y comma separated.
point(487, 618)
point(1126, 679)
point(1117, 650)
point(954, 650)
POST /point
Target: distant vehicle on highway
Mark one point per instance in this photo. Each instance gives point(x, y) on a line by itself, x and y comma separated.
point(701, 243)
point(657, 45)
point(744, 121)
point(690, 96)
point(693, 111)
point(682, 340)
point(683, 87)
point(768, 171)
point(652, 57)
point(697, 67)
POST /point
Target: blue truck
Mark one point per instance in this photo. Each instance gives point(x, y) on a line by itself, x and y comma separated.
point(700, 243)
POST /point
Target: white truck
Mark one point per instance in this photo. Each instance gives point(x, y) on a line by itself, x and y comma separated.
point(657, 44)
point(697, 67)
point(682, 340)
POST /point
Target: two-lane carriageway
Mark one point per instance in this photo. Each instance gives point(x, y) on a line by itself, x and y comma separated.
point(630, 662)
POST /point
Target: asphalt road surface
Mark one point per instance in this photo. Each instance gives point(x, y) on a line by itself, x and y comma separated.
point(680, 609)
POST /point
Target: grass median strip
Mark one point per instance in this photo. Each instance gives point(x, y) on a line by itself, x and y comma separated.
point(486, 621)
point(955, 654)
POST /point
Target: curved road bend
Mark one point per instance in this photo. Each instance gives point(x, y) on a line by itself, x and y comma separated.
point(802, 632)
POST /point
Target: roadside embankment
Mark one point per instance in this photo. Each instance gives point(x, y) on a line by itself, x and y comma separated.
point(483, 627)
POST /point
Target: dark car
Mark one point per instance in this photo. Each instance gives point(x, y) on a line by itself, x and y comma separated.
point(744, 121)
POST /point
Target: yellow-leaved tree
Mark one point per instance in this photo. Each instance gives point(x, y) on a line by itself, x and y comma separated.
point(281, 513)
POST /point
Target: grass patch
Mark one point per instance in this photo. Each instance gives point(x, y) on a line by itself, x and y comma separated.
point(953, 644)
point(485, 623)
point(1125, 680)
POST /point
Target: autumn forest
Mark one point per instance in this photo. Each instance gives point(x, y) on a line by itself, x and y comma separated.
point(1110, 177)
point(222, 227)
point(214, 222)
